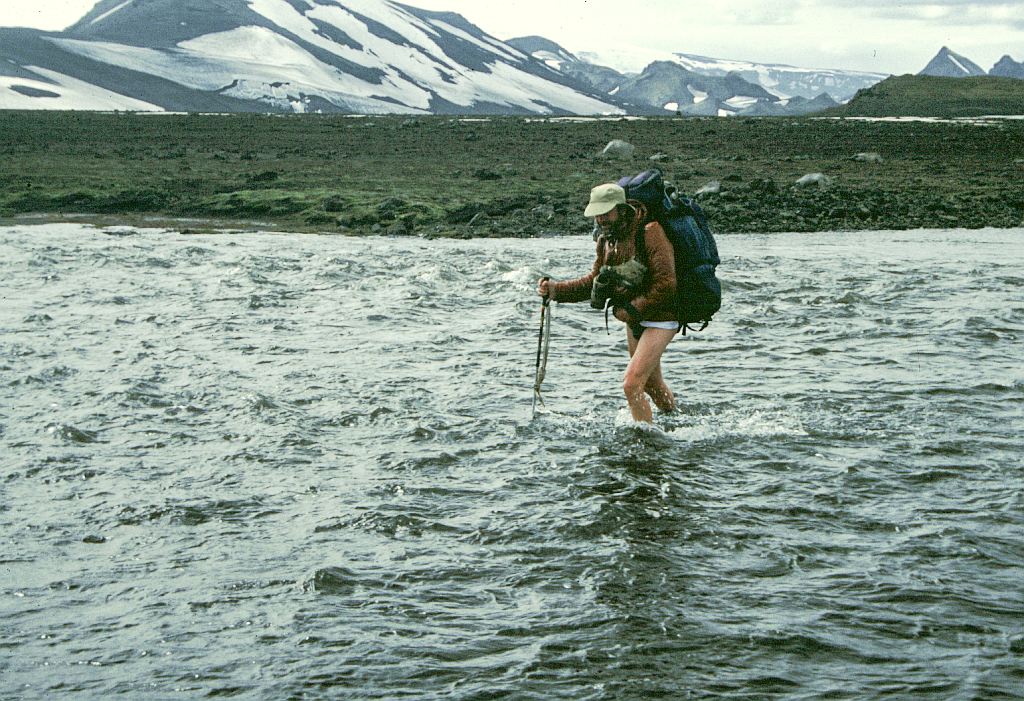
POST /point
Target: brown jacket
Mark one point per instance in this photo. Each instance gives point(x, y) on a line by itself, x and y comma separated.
point(657, 293)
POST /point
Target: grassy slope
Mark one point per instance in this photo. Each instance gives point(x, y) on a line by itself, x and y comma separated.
point(433, 176)
point(929, 96)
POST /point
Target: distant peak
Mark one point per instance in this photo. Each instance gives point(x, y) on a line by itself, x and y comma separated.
point(1006, 67)
point(948, 63)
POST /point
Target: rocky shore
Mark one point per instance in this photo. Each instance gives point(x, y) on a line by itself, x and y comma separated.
point(505, 176)
point(760, 205)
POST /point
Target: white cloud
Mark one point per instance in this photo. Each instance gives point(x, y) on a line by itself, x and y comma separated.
point(43, 14)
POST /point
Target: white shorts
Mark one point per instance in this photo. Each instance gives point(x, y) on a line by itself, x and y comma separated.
point(672, 325)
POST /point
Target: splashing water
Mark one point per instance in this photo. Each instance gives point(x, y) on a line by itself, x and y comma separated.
point(281, 466)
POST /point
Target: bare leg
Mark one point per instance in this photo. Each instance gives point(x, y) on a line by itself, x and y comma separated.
point(659, 391)
point(656, 387)
point(643, 374)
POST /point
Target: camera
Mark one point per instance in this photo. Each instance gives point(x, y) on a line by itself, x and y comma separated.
point(608, 285)
point(617, 283)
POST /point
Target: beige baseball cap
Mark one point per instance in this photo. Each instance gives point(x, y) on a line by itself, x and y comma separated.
point(603, 199)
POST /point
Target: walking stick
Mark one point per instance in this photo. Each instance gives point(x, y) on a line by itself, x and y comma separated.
point(543, 342)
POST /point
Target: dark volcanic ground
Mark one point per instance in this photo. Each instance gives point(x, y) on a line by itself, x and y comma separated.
point(505, 176)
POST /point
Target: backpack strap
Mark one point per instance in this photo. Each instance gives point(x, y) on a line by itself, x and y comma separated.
point(640, 243)
point(685, 327)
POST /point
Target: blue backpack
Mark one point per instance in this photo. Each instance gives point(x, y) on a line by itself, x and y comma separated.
point(698, 291)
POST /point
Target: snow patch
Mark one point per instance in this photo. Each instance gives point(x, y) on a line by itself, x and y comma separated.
point(781, 79)
point(959, 65)
point(741, 101)
point(512, 52)
point(580, 120)
point(983, 121)
point(110, 12)
point(506, 85)
point(722, 66)
point(72, 94)
point(698, 95)
point(671, 106)
point(253, 63)
point(286, 17)
point(466, 36)
point(550, 60)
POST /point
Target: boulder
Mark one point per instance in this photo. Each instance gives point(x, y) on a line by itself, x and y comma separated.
point(819, 180)
point(617, 148)
point(868, 157)
point(712, 188)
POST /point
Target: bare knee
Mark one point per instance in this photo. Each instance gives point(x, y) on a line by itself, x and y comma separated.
point(633, 386)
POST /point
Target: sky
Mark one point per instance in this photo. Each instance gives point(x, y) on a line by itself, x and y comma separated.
point(884, 36)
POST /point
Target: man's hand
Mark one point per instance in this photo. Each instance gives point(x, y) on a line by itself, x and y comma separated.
point(622, 315)
point(542, 288)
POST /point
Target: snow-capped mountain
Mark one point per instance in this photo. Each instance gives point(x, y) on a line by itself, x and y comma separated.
point(782, 80)
point(359, 56)
point(662, 87)
point(698, 85)
point(553, 55)
point(603, 79)
point(675, 89)
point(949, 64)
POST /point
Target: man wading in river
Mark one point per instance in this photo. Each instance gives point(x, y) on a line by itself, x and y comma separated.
point(640, 288)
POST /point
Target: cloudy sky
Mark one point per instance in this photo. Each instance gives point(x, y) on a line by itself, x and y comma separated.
point(887, 36)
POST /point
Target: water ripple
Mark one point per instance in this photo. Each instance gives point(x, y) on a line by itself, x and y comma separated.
point(276, 466)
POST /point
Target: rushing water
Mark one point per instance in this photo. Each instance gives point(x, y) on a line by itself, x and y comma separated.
point(298, 467)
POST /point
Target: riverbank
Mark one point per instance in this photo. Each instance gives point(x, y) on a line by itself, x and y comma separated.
point(505, 176)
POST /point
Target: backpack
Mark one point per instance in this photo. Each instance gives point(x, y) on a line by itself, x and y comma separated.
point(698, 291)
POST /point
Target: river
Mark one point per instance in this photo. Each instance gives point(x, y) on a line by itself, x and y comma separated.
point(277, 466)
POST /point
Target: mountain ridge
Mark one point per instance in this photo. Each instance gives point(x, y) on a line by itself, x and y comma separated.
point(1006, 67)
point(949, 64)
point(682, 84)
point(379, 57)
point(784, 80)
point(327, 55)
